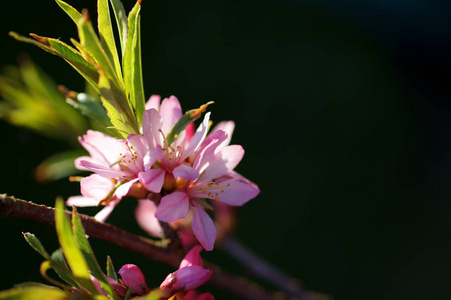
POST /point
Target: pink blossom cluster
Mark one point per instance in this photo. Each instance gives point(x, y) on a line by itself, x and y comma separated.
point(190, 174)
point(181, 283)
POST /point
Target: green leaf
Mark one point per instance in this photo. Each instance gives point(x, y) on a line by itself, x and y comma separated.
point(121, 21)
point(36, 244)
point(153, 295)
point(34, 293)
point(57, 166)
point(134, 86)
point(106, 35)
point(72, 12)
point(110, 271)
point(93, 47)
point(74, 256)
point(69, 54)
point(91, 108)
point(83, 245)
point(61, 268)
point(185, 120)
point(116, 111)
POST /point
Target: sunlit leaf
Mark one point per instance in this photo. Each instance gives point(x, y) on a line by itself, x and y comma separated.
point(34, 293)
point(106, 35)
point(85, 247)
point(73, 255)
point(62, 269)
point(132, 63)
point(121, 21)
point(115, 109)
point(56, 47)
point(72, 12)
point(93, 47)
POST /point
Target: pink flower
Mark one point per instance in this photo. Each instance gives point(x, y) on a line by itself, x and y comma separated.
point(211, 177)
point(117, 164)
point(157, 124)
point(190, 274)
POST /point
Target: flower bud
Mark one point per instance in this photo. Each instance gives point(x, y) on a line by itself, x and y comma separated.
point(134, 278)
point(186, 279)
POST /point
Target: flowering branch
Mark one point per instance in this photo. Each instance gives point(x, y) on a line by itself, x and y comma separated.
point(170, 253)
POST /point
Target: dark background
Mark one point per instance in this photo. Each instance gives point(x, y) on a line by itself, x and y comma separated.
point(342, 107)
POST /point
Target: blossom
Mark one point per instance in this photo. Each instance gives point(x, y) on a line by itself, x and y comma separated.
point(158, 121)
point(211, 177)
point(118, 165)
point(189, 276)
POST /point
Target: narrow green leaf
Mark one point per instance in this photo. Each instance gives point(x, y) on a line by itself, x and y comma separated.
point(121, 21)
point(34, 293)
point(106, 35)
point(36, 244)
point(189, 117)
point(85, 247)
point(73, 255)
point(72, 12)
point(116, 112)
point(110, 271)
point(47, 265)
point(62, 269)
point(134, 86)
point(69, 54)
point(93, 47)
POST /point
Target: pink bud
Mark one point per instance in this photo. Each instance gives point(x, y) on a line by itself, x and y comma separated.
point(186, 279)
point(134, 278)
point(192, 258)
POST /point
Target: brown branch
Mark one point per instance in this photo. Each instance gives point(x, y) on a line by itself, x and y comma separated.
point(10, 206)
point(170, 254)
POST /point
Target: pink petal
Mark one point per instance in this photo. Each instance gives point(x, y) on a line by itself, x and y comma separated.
point(145, 216)
point(204, 228)
point(103, 214)
point(100, 146)
point(134, 278)
point(152, 179)
point(206, 152)
point(171, 112)
point(173, 207)
point(82, 201)
point(151, 125)
point(153, 102)
point(192, 258)
point(227, 127)
point(152, 156)
point(96, 187)
point(223, 161)
point(198, 137)
point(185, 172)
point(104, 171)
point(237, 192)
point(123, 189)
